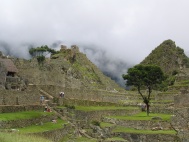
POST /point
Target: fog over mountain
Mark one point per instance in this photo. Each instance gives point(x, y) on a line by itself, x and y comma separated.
point(115, 34)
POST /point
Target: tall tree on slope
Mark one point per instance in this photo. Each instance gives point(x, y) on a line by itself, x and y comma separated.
point(144, 76)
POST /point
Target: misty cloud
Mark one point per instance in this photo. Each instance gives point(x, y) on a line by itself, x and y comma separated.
point(123, 32)
point(110, 65)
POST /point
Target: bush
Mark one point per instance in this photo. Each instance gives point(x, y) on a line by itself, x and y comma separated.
point(40, 59)
point(175, 72)
point(95, 122)
point(70, 107)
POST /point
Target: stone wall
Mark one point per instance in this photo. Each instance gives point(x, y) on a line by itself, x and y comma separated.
point(97, 115)
point(32, 95)
point(14, 97)
point(140, 124)
point(181, 100)
point(162, 109)
point(180, 120)
point(77, 102)
point(17, 108)
point(85, 94)
point(148, 137)
point(165, 96)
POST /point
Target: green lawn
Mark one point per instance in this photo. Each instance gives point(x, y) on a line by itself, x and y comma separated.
point(23, 115)
point(131, 130)
point(115, 139)
point(16, 137)
point(42, 128)
point(143, 116)
point(99, 108)
point(104, 124)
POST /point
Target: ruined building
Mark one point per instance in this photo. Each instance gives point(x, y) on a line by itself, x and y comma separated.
point(8, 71)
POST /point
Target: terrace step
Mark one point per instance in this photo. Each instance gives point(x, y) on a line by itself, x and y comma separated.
point(139, 124)
point(24, 119)
point(147, 136)
point(18, 108)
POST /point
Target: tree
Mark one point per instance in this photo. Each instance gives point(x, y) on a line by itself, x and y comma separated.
point(147, 76)
point(41, 52)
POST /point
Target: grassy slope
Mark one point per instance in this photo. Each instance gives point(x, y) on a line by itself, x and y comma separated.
point(130, 130)
point(15, 137)
point(100, 108)
point(42, 128)
point(23, 115)
point(143, 116)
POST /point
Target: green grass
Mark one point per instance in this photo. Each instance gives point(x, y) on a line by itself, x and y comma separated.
point(131, 130)
point(143, 116)
point(23, 115)
point(167, 93)
point(186, 82)
point(42, 128)
point(162, 101)
point(15, 137)
point(100, 108)
point(104, 124)
point(115, 139)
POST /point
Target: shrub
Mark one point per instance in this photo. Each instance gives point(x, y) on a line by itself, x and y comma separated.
point(95, 122)
point(70, 107)
point(40, 59)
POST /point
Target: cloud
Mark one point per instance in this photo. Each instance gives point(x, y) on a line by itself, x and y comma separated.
point(124, 30)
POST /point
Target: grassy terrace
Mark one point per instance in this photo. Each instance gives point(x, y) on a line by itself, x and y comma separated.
point(42, 128)
point(143, 116)
point(104, 124)
point(130, 130)
point(15, 137)
point(115, 139)
point(101, 108)
point(162, 101)
point(23, 115)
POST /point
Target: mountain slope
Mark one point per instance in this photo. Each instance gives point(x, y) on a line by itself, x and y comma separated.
point(69, 68)
point(168, 56)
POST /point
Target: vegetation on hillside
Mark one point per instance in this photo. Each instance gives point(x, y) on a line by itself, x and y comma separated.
point(76, 65)
point(16, 137)
point(41, 52)
point(170, 58)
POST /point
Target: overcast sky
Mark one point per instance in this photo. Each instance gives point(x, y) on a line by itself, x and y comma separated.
point(122, 29)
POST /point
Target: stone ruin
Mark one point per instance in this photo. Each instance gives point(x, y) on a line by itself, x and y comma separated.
point(74, 48)
point(180, 119)
point(8, 75)
point(63, 48)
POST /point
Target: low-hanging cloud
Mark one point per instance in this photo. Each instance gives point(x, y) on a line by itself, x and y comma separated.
point(125, 31)
point(110, 65)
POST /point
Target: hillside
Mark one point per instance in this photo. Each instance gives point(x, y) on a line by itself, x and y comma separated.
point(93, 109)
point(69, 68)
point(168, 56)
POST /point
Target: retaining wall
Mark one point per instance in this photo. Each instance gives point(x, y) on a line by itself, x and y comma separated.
point(17, 108)
point(148, 137)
